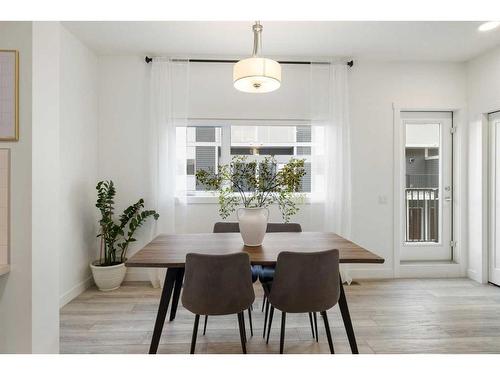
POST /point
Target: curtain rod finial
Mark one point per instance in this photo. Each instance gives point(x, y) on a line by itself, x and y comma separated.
point(350, 64)
point(148, 59)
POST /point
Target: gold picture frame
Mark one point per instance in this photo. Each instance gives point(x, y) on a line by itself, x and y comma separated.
point(9, 88)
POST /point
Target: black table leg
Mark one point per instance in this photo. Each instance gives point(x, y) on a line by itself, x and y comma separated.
point(166, 293)
point(346, 317)
point(177, 292)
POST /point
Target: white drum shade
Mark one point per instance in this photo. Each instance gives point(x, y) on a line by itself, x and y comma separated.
point(257, 75)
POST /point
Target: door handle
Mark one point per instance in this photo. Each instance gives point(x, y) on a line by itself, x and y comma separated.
point(448, 199)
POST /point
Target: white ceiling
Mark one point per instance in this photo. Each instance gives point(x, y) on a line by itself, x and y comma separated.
point(429, 41)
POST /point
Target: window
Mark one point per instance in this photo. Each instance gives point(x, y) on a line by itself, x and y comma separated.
point(209, 146)
point(203, 151)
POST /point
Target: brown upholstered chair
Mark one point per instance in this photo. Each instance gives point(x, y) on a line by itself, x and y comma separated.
point(296, 289)
point(227, 291)
point(232, 227)
point(264, 274)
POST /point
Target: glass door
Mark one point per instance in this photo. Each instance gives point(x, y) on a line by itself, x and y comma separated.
point(427, 186)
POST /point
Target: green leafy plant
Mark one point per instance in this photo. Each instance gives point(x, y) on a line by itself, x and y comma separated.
point(255, 184)
point(116, 236)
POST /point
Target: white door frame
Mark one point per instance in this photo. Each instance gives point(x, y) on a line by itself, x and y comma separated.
point(440, 251)
point(482, 118)
point(431, 269)
point(493, 148)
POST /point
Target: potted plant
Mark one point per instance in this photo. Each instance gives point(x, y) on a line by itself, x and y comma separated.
point(109, 270)
point(255, 186)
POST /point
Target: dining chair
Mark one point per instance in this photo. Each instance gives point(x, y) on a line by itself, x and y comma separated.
point(305, 283)
point(233, 227)
point(228, 291)
point(264, 274)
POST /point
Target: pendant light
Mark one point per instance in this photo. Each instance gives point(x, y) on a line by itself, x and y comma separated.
point(257, 74)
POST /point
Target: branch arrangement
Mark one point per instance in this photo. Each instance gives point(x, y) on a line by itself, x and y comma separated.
point(255, 184)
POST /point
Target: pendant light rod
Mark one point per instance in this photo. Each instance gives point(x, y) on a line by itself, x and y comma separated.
point(257, 39)
point(149, 59)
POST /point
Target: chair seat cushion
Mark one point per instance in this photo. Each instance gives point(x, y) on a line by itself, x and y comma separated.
point(256, 271)
point(266, 274)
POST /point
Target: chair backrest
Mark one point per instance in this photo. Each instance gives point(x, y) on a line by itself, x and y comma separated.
point(232, 227)
point(217, 284)
point(306, 282)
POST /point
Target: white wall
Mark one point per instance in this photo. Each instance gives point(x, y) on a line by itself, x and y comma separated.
point(375, 86)
point(483, 91)
point(212, 95)
point(79, 165)
point(52, 198)
point(123, 136)
point(45, 188)
point(15, 287)
point(123, 123)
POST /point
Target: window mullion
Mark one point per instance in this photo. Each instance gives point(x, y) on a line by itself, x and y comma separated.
point(225, 144)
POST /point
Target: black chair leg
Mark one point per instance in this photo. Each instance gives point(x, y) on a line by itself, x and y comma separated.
point(244, 327)
point(241, 325)
point(205, 325)
point(282, 336)
point(265, 319)
point(250, 319)
point(263, 302)
point(316, 325)
point(195, 333)
point(328, 333)
point(311, 322)
point(270, 323)
point(179, 278)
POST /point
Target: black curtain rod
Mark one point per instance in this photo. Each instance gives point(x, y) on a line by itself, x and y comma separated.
point(150, 59)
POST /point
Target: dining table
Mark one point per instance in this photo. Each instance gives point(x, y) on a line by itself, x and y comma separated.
point(169, 251)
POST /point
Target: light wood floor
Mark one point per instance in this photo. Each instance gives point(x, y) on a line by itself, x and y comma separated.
point(389, 316)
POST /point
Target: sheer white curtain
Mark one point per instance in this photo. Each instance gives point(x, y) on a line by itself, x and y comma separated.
point(332, 146)
point(168, 118)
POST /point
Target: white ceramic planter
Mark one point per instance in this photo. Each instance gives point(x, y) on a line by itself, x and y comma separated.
point(108, 278)
point(253, 224)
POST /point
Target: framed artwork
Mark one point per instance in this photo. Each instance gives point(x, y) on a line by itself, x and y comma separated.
point(9, 95)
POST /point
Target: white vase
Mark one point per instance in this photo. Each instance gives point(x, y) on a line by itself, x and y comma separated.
point(108, 278)
point(253, 224)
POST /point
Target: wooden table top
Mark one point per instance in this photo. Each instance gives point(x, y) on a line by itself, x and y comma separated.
point(170, 250)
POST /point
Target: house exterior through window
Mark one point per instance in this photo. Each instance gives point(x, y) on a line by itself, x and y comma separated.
point(207, 147)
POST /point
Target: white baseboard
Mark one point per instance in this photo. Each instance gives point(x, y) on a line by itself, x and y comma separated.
point(472, 274)
point(75, 291)
point(370, 273)
point(142, 274)
point(434, 270)
point(412, 270)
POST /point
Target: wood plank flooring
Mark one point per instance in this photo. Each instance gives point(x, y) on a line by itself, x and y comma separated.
point(389, 316)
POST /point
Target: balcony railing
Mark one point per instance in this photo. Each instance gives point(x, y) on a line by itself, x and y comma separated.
point(422, 180)
point(422, 214)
